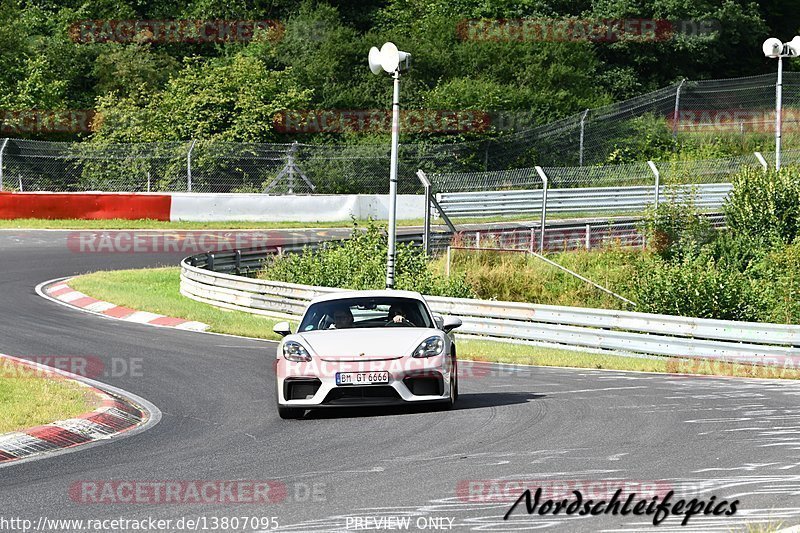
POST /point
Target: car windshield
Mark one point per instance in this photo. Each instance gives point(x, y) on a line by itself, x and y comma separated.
point(366, 312)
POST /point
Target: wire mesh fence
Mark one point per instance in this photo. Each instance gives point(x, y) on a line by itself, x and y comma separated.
point(579, 150)
point(591, 190)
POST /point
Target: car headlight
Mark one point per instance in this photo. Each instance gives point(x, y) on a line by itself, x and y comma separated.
point(430, 347)
point(294, 351)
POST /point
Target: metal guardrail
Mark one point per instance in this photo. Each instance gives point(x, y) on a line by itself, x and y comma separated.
point(710, 196)
point(566, 327)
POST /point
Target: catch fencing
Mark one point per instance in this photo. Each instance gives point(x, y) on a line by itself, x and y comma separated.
point(734, 114)
point(563, 327)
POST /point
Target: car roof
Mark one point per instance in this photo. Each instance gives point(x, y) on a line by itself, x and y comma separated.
point(339, 295)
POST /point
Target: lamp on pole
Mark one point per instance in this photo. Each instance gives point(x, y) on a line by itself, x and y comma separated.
point(775, 49)
point(392, 61)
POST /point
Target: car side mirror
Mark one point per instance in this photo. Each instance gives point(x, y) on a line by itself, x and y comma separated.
point(282, 329)
point(451, 323)
point(438, 321)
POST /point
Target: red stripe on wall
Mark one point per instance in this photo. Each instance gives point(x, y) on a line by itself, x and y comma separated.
point(84, 206)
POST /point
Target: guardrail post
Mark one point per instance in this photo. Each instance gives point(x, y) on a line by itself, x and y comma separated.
point(588, 237)
point(533, 239)
point(447, 265)
point(477, 239)
point(542, 175)
point(210, 261)
point(189, 167)
point(237, 260)
point(758, 156)
point(657, 174)
point(2, 149)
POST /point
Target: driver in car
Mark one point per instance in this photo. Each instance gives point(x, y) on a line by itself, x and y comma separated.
point(397, 315)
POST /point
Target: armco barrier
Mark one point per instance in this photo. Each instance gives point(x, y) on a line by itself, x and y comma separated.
point(571, 327)
point(706, 197)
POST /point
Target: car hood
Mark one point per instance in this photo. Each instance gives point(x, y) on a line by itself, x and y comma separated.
point(373, 343)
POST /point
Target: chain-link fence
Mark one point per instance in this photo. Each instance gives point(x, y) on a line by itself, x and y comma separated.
point(216, 167)
point(738, 111)
point(591, 190)
point(733, 113)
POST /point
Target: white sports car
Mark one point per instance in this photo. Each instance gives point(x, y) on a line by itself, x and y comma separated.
point(366, 348)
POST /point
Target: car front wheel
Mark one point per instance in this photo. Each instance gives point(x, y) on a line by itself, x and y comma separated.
point(288, 413)
point(453, 387)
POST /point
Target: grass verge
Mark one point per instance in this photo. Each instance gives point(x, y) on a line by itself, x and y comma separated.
point(124, 224)
point(28, 398)
point(157, 290)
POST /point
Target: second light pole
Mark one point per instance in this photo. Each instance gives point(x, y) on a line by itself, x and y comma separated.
point(776, 49)
point(391, 60)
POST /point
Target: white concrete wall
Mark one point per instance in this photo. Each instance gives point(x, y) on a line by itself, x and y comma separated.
point(204, 207)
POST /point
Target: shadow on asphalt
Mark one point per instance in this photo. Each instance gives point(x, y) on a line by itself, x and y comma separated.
point(465, 402)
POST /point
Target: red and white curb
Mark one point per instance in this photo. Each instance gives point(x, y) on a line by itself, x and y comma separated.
point(121, 413)
point(62, 292)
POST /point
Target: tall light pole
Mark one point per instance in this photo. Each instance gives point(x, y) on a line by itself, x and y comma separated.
point(391, 60)
point(776, 49)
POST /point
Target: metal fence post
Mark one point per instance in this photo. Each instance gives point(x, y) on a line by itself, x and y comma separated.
point(583, 130)
point(426, 221)
point(542, 175)
point(657, 174)
point(762, 160)
point(189, 167)
point(778, 113)
point(290, 165)
point(2, 149)
point(675, 119)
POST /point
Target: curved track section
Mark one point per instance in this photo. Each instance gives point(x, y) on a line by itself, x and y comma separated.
point(734, 439)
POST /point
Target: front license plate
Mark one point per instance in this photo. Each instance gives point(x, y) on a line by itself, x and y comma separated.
point(362, 378)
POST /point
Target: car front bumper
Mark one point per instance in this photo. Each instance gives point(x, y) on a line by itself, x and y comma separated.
point(411, 380)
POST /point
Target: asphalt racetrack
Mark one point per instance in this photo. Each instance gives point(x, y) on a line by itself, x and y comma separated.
point(590, 430)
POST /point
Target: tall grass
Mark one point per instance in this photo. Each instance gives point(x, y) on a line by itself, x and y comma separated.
point(524, 278)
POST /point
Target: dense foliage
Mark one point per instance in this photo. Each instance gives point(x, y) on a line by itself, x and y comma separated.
point(360, 263)
point(230, 91)
point(746, 272)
